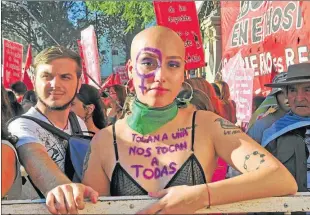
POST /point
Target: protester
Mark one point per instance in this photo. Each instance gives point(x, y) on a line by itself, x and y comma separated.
point(194, 100)
point(10, 173)
point(257, 101)
point(29, 100)
point(19, 89)
point(17, 109)
point(57, 71)
point(88, 106)
point(274, 112)
point(118, 94)
point(128, 105)
point(286, 138)
point(198, 100)
point(228, 106)
point(206, 87)
point(152, 149)
point(216, 89)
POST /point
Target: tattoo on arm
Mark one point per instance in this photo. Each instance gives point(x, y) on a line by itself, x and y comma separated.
point(229, 128)
point(85, 165)
point(34, 157)
point(253, 161)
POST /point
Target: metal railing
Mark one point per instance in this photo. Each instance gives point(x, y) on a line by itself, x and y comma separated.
point(132, 204)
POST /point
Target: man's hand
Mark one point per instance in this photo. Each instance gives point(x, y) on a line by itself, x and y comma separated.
point(69, 198)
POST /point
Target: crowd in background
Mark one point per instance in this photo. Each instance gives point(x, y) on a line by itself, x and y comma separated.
point(99, 108)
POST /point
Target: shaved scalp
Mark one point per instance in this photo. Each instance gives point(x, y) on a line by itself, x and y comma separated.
point(156, 35)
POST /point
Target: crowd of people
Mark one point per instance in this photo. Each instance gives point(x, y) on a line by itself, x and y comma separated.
point(173, 139)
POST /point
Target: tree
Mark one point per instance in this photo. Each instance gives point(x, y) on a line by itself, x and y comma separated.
point(52, 15)
point(123, 19)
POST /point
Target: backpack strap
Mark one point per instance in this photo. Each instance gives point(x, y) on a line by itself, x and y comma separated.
point(75, 125)
point(44, 125)
point(69, 169)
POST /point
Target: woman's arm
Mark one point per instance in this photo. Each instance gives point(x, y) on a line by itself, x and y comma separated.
point(8, 171)
point(93, 171)
point(263, 175)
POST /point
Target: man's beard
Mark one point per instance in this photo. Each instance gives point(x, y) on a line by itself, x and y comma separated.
point(56, 108)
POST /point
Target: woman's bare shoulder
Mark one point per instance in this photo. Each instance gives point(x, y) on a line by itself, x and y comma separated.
point(207, 116)
point(103, 137)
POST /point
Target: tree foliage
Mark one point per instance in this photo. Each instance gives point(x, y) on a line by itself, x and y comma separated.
point(136, 14)
point(123, 19)
point(52, 15)
point(118, 21)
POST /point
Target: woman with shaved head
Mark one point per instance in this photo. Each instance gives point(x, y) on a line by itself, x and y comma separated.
point(171, 153)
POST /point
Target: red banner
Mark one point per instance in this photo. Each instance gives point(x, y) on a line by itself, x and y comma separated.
point(113, 79)
point(122, 72)
point(271, 35)
point(84, 77)
point(90, 54)
point(25, 77)
point(12, 62)
point(182, 18)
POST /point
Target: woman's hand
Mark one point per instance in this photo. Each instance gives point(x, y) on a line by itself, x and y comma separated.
point(178, 200)
point(69, 198)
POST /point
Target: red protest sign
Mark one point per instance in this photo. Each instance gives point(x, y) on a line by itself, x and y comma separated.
point(25, 77)
point(84, 77)
point(182, 18)
point(90, 53)
point(122, 72)
point(113, 79)
point(271, 35)
point(12, 62)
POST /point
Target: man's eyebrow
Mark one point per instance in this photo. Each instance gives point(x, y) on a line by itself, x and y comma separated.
point(64, 74)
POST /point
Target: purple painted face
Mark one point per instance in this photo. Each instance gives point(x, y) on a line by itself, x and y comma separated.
point(148, 62)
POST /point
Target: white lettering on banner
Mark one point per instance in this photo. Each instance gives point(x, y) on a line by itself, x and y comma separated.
point(171, 9)
point(188, 43)
point(182, 8)
point(12, 62)
point(177, 19)
point(303, 54)
point(254, 31)
point(182, 18)
point(263, 62)
point(194, 58)
point(122, 72)
point(240, 81)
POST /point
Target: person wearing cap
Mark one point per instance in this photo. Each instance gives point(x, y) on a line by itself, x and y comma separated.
point(288, 138)
point(272, 113)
